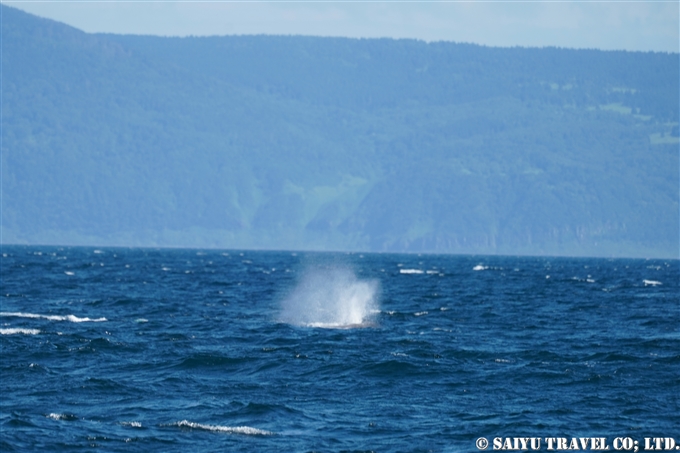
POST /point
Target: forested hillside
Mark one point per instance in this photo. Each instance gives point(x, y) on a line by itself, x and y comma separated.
point(285, 142)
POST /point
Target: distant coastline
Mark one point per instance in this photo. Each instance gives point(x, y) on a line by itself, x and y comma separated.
point(303, 143)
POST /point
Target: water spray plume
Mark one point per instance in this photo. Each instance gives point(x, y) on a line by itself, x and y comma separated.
point(331, 298)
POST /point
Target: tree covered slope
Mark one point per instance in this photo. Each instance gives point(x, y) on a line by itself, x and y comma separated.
point(277, 142)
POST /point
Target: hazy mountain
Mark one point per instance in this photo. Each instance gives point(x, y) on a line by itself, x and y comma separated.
point(330, 143)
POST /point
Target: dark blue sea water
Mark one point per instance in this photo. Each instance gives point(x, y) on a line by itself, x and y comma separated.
point(190, 350)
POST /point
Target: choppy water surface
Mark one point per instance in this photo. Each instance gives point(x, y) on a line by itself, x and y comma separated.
point(188, 350)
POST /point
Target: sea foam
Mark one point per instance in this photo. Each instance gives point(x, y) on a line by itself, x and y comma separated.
point(70, 318)
point(14, 331)
point(133, 424)
point(66, 417)
point(331, 298)
point(410, 271)
point(224, 429)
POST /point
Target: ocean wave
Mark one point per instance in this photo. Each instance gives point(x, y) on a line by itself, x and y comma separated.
point(71, 318)
point(224, 429)
point(340, 325)
point(13, 331)
point(67, 417)
point(481, 267)
point(132, 424)
point(410, 271)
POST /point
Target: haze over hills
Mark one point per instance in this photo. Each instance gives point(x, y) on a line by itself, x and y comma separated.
point(274, 142)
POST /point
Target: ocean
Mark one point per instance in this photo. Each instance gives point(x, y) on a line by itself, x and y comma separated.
point(164, 350)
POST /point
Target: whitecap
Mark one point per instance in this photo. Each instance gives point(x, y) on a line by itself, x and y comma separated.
point(55, 416)
point(225, 429)
point(420, 313)
point(132, 424)
point(651, 282)
point(13, 331)
point(69, 273)
point(479, 267)
point(339, 325)
point(410, 271)
point(70, 318)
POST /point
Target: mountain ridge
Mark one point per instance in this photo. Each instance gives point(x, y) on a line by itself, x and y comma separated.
point(335, 144)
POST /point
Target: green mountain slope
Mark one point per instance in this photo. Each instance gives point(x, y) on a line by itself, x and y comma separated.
point(329, 143)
